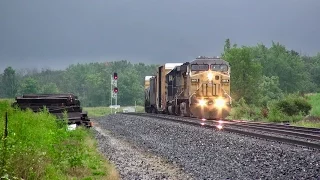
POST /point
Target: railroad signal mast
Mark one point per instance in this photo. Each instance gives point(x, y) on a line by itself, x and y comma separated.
point(114, 91)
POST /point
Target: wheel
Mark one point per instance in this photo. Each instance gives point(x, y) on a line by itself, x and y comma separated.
point(154, 110)
point(184, 109)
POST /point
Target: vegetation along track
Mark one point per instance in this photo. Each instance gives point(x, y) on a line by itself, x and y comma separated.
point(308, 137)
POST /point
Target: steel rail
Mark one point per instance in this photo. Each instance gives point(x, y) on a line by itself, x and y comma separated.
point(239, 131)
point(278, 126)
point(313, 133)
point(280, 130)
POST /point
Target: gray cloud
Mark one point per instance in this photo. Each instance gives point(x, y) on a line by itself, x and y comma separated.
point(37, 33)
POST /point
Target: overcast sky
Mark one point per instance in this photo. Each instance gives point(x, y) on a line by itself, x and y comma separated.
point(56, 33)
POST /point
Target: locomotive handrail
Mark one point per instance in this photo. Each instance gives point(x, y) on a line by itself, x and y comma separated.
point(195, 91)
point(176, 96)
point(179, 94)
point(227, 95)
point(191, 96)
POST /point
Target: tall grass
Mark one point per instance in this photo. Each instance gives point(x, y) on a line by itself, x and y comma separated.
point(307, 123)
point(314, 119)
point(37, 147)
point(315, 102)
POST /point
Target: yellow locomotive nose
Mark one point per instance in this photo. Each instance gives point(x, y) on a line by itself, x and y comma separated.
point(210, 76)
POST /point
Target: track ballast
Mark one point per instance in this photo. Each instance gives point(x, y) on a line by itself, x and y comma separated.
point(307, 137)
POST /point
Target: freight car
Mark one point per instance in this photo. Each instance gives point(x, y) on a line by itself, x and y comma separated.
point(56, 104)
point(200, 88)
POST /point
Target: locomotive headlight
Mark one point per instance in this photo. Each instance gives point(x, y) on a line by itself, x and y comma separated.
point(202, 102)
point(220, 103)
point(210, 76)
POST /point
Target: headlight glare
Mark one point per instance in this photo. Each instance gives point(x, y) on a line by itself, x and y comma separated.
point(210, 76)
point(202, 102)
point(220, 103)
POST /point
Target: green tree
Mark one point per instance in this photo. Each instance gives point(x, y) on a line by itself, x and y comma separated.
point(95, 89)
point(287, 65)
point(227, 45)
point(130, 88)
point(312, 66)
point(29, 86)
point(246, 74)
point(50, 88)
point(91, 81)
point(9, 83)
point(269, 90)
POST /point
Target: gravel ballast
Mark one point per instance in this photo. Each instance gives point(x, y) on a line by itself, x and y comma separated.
point(134, 163)
point(203, 153)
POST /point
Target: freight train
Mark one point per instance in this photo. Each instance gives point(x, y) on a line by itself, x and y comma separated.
point(200, 88)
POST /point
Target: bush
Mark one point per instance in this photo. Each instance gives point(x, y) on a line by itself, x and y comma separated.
point(241, 110)
point(275, 114)
point(302, 105)
point(293, 105)
point(292, 108)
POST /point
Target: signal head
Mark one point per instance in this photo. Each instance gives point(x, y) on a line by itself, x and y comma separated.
point(115, 76)
point(115, 90)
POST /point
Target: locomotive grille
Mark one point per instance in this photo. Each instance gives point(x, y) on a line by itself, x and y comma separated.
point(209, 89)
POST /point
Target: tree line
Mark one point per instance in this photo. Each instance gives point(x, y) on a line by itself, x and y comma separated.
point(90, 82)
point(258, 75)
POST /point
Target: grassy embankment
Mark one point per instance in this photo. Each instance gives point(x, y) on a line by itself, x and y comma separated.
point(314, 119)
point(37, 147)
point(102, 111)
point(243, 111)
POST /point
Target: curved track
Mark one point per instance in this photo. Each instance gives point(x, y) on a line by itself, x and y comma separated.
point(308, 137)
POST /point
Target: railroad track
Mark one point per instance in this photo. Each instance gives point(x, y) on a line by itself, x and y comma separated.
point(308, 137)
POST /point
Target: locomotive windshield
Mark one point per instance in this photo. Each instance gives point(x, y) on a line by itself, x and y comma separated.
point(219, 67)
point(199, 67)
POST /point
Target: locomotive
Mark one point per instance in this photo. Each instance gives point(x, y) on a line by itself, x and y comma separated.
point(200, 88)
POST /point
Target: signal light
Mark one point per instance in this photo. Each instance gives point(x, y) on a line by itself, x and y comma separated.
point(115, 76)
point(115, 90)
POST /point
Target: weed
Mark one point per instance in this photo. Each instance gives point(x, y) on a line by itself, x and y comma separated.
point(40, 148)
point(241, 110)
point(307, 124)
point(314, 100)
